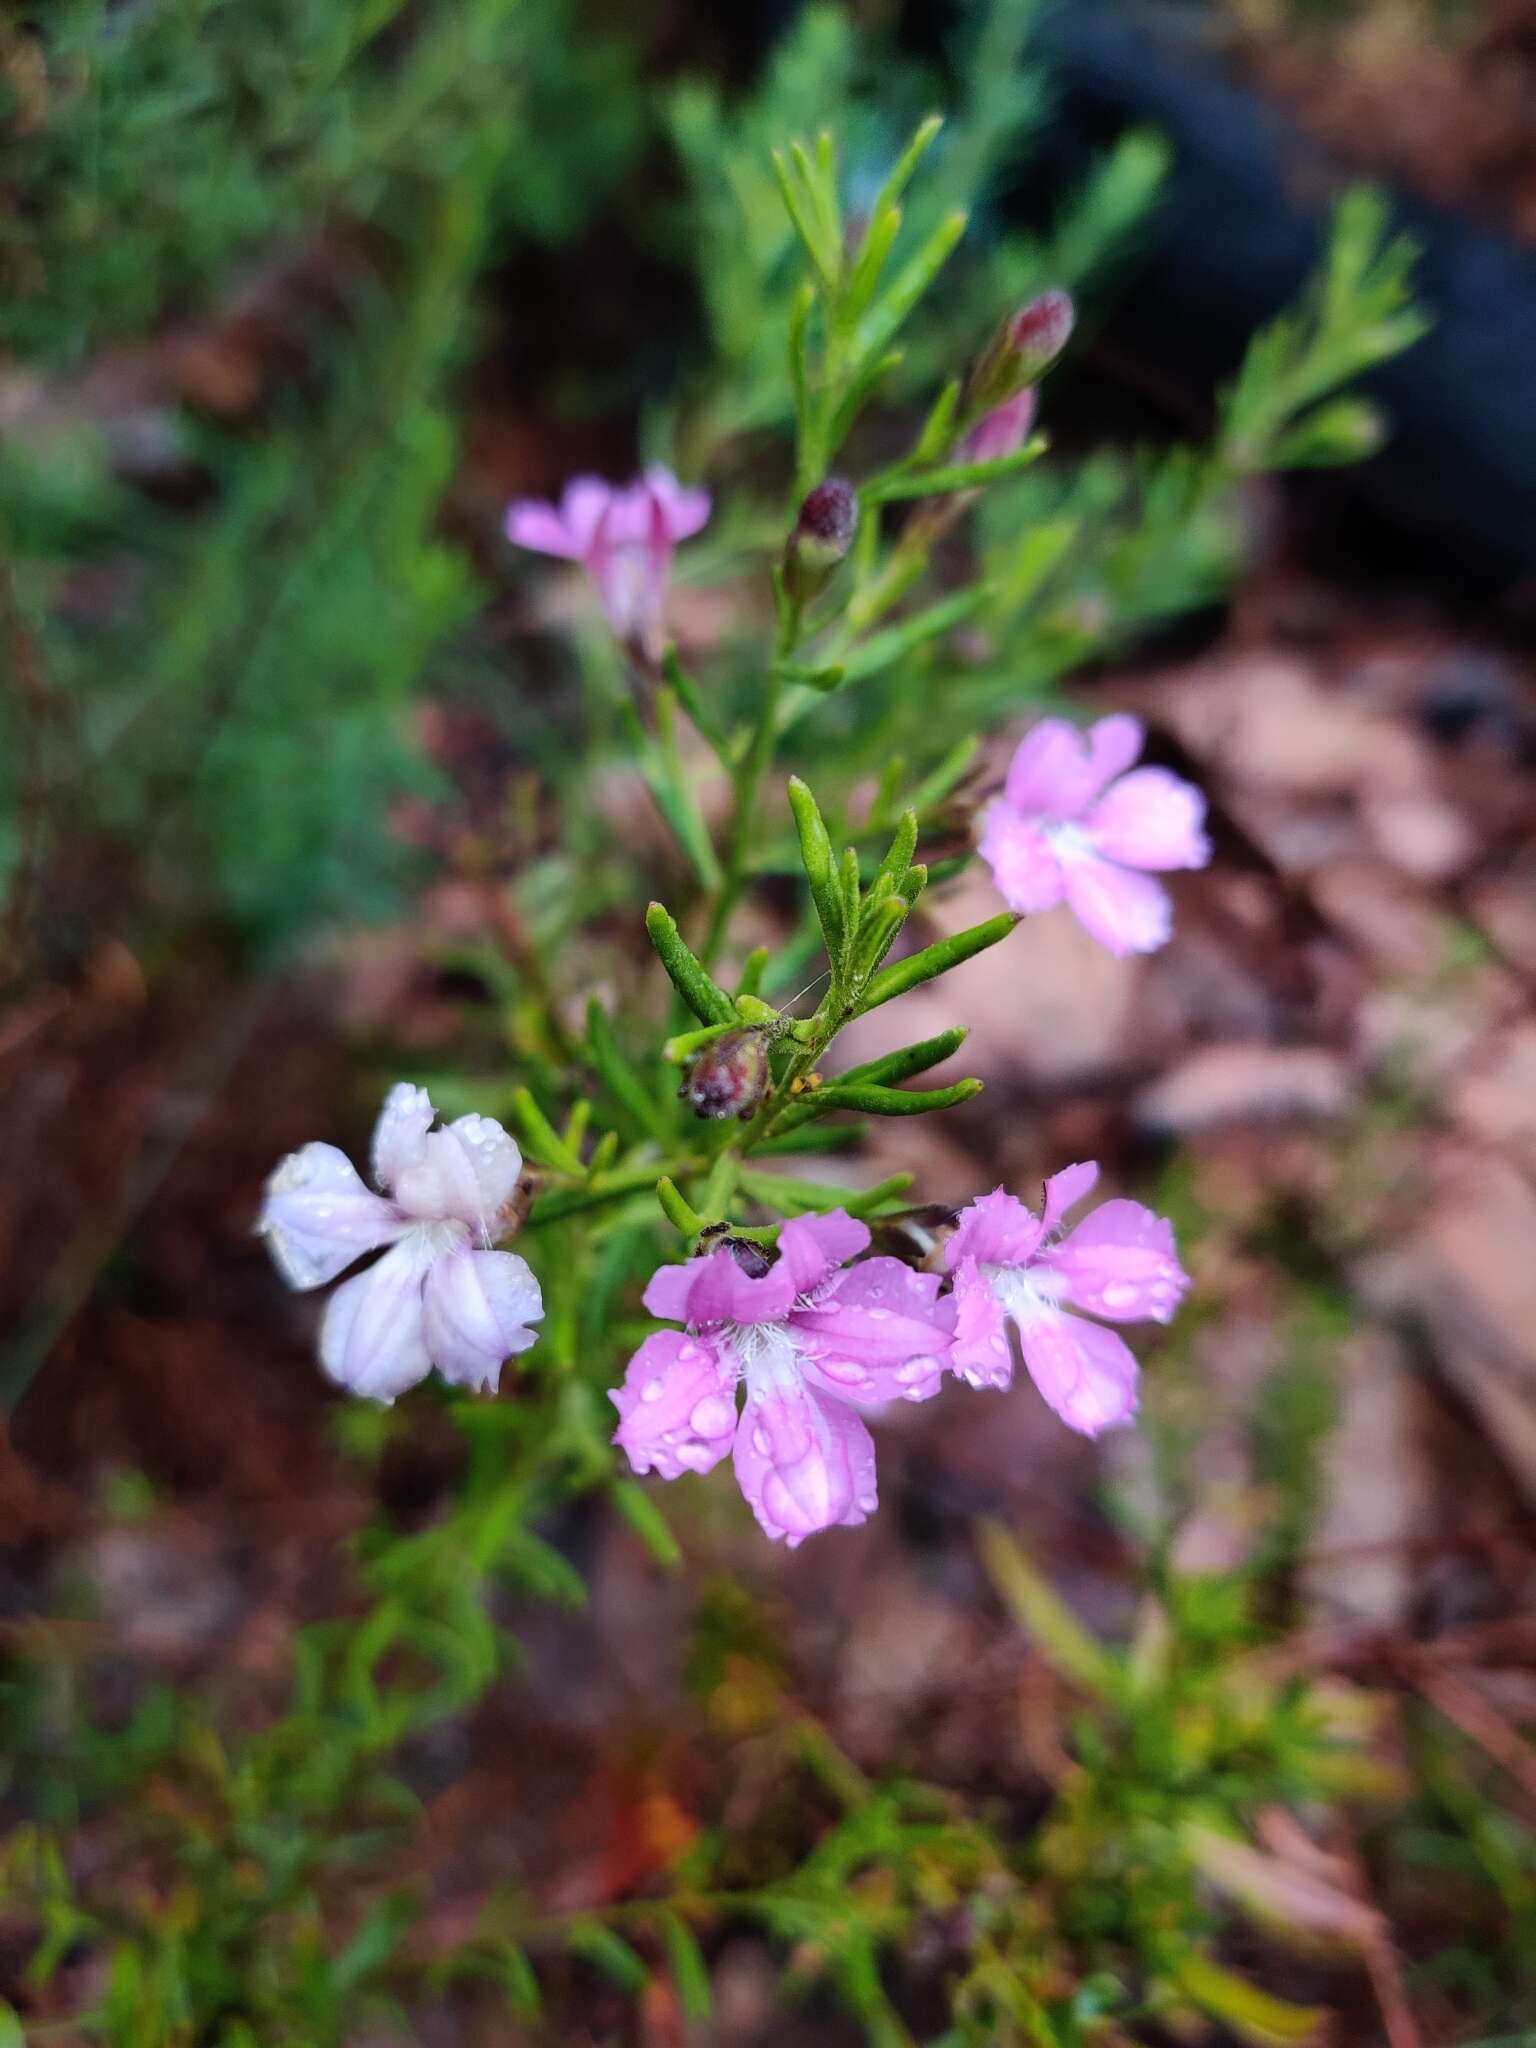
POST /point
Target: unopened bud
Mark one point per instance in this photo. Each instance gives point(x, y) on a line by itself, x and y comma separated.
point(824, 529)
point(730, 1076)
point(1025, 348)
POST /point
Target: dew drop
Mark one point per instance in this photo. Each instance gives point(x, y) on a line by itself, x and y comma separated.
point(760, 1442)
point(917, 1369)
point(651, 1391)
point(879, 1315)
point(868, 1503)
point(1119, 1295)
point(712, 1416)
point(845, 1371)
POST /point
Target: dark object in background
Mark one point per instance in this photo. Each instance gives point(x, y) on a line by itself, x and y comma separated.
point(1234, 242)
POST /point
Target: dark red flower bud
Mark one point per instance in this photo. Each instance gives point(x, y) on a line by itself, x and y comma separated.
point(824, 529)
point(730, 1076)
point(1020, 354)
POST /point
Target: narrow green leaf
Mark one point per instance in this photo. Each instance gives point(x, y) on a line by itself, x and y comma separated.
point(619, 1078)
point(799, 360)
point(788, 1197)
point(676, 1210)
point(886, 918)
point(519, 1983)
point(686, 1043)
point(693, 702)
point(879, 239)
point(939, 427)
point(892, 871)
point(1036, 1608)
point(950, 771)
point(1257, 2016)
point(826, 1138)
point(752, 971)
point(909, 285)
point(690, 1972)
point(871, 373)
point(881, 649)
point(802, 211)
point(816, 859)
point(825, 679)
point(608, 1952)
point(871, 1099)
point(848, 889)
point(543, 1142)
point(638, 1507)
point(900, 174)
point(892, 1067)
point(708, 1002)
point(937, 959)
point(953, 476)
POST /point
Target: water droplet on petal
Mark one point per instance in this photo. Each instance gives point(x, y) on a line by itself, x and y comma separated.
point(652, 1390)
point(1119, 1294)
point(879, 1315)
point(760, 1442)
point(712, 1416)
point(846, 1372)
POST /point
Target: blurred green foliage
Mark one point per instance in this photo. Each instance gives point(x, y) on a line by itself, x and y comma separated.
point(225, 598)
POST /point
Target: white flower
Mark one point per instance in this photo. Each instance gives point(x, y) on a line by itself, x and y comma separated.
point(440, 1296)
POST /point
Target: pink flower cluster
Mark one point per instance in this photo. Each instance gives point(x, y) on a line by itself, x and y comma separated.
point(624, 537)
point(1072, 825)
point(811, 1340)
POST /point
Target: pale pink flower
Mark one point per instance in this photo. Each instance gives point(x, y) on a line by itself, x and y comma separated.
point(1072, 824)
point(811, 1339)
point(1120, 1262)
point(440, 1296)
point(1003, 431)
point(624, 537)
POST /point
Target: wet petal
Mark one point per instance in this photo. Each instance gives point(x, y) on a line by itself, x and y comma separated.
point(881, 1334)
point(466, 1172)
point(477, 1309)
point(1024, 868)
point(716, 1290)
point(317, 1216)
point(804, 1462)
point(403, 1123)
point(677, 1406)
point(494, 1160)
point(1150, 819)
point(1125, 911)
point(813, 1247)
point(981, 1354)
point(1121, 1262)
point(1064, 1190)
point(371, 1337)
point(1084, 1372)
point(994, 1230)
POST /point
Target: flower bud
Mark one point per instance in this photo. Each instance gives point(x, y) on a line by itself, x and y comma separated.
point(1022, 352)
point(824, 529)
point(729, 1077)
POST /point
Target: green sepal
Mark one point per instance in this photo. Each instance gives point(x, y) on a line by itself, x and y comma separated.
point(707, 1000)
point(686, 1043)
point(677, 1211)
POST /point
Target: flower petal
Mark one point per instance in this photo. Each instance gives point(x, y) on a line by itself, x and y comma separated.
point(371, 1335)
point(466, 1172)
point(716, 1290)
point(1064, 1190)
point(804, 1462)
point(477, 1307)
point(1121, 1262)
point(1084, 1372)
point(683, 511)
point(532, 524)
point(1024, 866)
point(980, 1353)
point(880, 1334)
point(1150, 819)
point(1057, 771)
point(403, 1123)
point(994, 1230)
point(317, 1216)
point(1125, 911)
point(812, 1247)
point(677, 1406)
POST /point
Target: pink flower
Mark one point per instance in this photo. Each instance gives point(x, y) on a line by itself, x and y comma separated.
point(623, 538)
point(1119, 1262)
point(1070, 823)
point(809, 1336)
point(1002, 432)
point(440, 1296)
